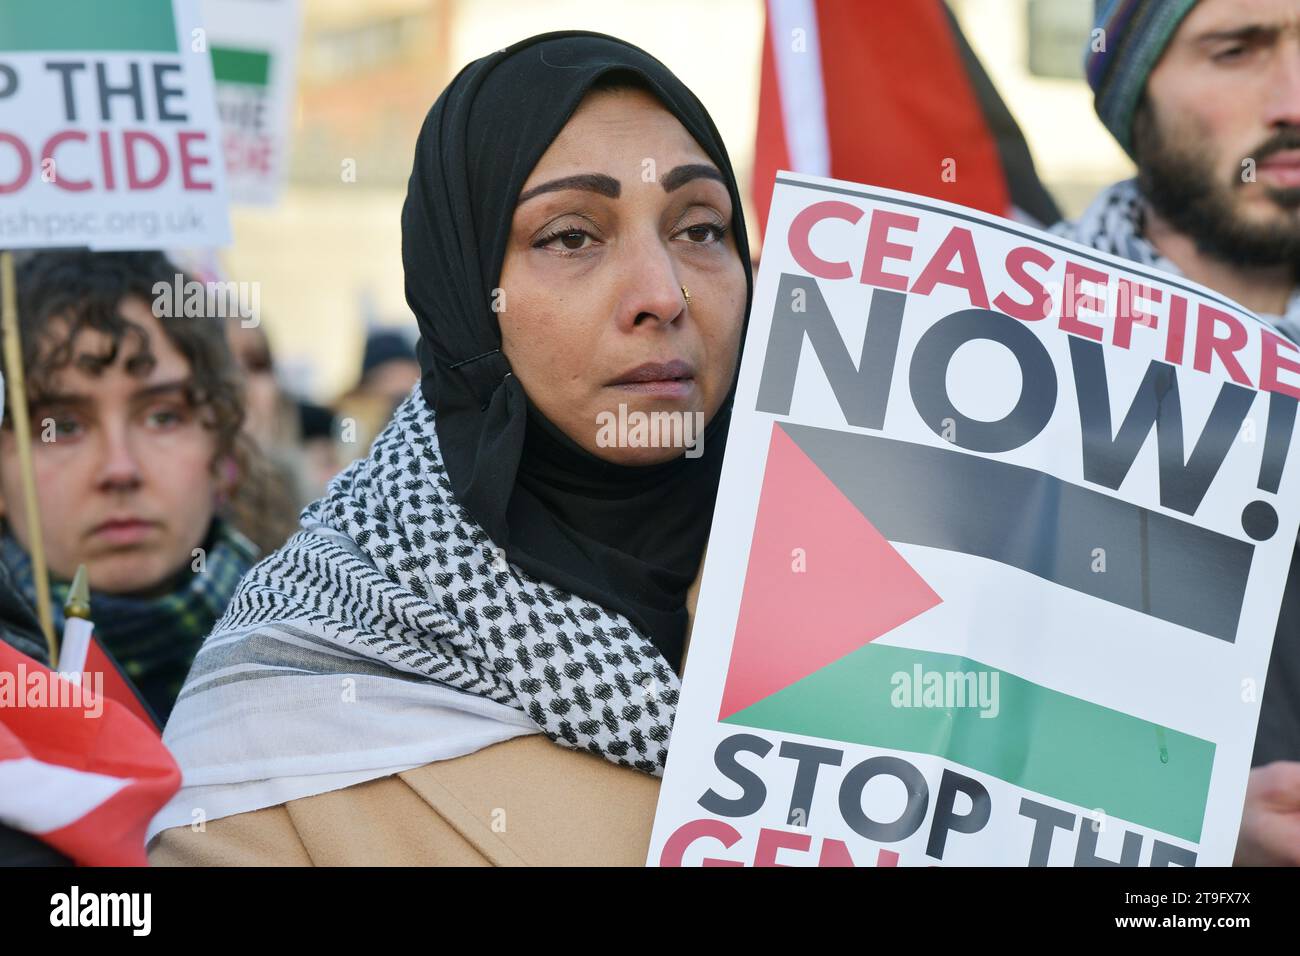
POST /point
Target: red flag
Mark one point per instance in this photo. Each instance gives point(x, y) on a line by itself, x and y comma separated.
point(117, 687)
point(78, 769)
point(888, 94)
point(81, 651)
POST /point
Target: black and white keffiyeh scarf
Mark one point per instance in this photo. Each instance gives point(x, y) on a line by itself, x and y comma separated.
point(1113, 223)
point(390, 631)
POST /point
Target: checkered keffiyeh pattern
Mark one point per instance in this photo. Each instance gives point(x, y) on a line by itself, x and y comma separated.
point(1114, 223)
point(391, 581)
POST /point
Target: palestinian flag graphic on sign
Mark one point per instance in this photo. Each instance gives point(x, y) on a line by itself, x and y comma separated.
point(805, 659)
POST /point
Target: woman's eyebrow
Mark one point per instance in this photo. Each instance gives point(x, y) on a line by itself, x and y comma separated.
point(59, 400)
point(675, 178)
point(681, 175)
point(591, 182)
point(180, 387)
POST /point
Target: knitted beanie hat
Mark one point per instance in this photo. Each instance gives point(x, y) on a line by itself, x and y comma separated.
point(1119, 59)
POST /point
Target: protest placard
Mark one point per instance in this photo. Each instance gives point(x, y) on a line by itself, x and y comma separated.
point(254, 48)
point(108, 127)
point(998, 553)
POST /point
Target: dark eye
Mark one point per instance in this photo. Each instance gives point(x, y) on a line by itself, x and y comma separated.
point(1230, 54)
point(65, 427)
point(257, 363)
point(704, 232)
point(572, 240)
point(164, 418)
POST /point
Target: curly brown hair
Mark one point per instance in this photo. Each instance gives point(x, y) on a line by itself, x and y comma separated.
point(66, 292)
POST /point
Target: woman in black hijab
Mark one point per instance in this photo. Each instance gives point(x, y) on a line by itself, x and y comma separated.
point(513, 556)
point(628, 537)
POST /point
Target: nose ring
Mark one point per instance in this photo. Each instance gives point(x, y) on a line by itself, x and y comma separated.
point(686, 294)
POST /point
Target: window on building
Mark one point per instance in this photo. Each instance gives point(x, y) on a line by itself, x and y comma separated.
point(1058, 34)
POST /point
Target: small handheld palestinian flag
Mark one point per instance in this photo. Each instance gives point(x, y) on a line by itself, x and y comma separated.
point(82, 653)
point(78, 770)
point(77, 629)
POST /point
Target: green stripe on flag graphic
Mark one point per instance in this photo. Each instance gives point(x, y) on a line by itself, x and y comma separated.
point(230, 65)
point(1041, 739)
point(99, 26)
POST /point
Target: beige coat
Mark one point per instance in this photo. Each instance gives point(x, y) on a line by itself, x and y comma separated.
point(523, 802)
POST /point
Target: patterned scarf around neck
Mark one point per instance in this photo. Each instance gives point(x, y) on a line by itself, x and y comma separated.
point(154, 640)
point(1114, 223)
point(391, 632)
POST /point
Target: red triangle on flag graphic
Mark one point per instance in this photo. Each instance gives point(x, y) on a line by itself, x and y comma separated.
point(821, 582)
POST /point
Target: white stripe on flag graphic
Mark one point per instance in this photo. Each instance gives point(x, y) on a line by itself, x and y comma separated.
point(40, 797)
point(803, 93)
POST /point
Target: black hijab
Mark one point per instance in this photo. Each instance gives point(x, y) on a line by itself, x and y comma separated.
point(629, 538)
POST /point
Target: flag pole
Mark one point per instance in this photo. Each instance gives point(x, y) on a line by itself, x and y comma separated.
point(77, 627)
point(13, 361)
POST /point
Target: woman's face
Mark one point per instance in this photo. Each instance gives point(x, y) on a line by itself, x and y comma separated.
point(621, 211)
point(261, 393)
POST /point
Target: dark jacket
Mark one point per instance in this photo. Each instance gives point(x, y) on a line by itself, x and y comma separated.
point(18, 624)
